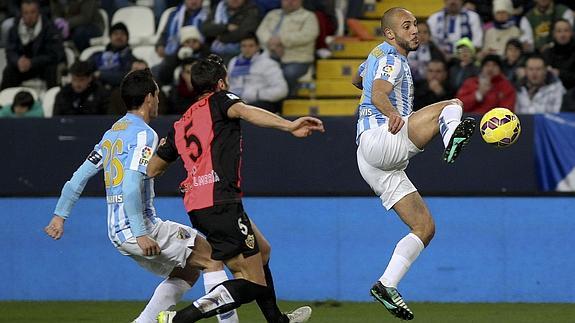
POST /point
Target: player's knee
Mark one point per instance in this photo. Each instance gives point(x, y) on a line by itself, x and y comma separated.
point(214, 265)
point(265, 250)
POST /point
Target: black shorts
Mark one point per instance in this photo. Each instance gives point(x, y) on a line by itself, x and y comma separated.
point(228, 230)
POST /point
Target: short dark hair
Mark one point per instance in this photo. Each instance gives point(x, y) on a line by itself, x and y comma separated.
point(36, 2)
point(136, 86)
point(558, 21)
point(536, 55)
point(139, 60)
point(23, 98)
point(440, 61)
point(82, 68)
point(206, 73)
point(492, 58)
point(515, 43)
point(252, 36)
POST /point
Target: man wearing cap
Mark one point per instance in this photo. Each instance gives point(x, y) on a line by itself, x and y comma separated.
point(465, 64)
point(490, 89)
point(116, 60)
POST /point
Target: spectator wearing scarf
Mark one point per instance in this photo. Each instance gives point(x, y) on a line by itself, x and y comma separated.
point(255, 77)
point(189, 13)
point(228, 24)
point(502, 30)
point(113, 63)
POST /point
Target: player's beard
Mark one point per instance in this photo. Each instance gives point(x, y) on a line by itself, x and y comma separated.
point(405, 45)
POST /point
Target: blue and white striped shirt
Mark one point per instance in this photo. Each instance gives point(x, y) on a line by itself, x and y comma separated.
point(124, 150)
point(384, 63)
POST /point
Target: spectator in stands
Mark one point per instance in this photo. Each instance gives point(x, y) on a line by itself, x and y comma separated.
point(182, 95)
point(188, 13)
point(114, 62)
point(23, 106)
point(490, 89)
point(501, 30)
point(513, 62)
point(327, 21)
point(289, 35)
point(434, 87)
point(10, 11)
point(34, 49)
point(84, 95)
point(228, 24)
point(117, 106)
point(266, 6)
point(453, 23)
point(464, 65)
point(191, 45)
point(536, 24)
point(257, 78)
point(426, 52)
point(561, 55)
point(540, 91)
point(78, 20)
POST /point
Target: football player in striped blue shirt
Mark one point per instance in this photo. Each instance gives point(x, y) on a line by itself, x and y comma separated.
point(389, 133)
point(166, 248)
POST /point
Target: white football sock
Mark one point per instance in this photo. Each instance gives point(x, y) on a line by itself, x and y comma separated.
point(167, 294)
point(212, 279)
point(405, 253)
point(449, 119)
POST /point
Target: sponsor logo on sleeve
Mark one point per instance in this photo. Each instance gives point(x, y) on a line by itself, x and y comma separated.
point(146, 156)
point(387, 70)
point(94, 157)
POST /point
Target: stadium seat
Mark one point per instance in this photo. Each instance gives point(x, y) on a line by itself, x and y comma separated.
point(328, 88)
point(86, 53)
point(162, 23)
point(418, 8)
point(147, 53)
point(104, 39)
point(48, 101)
point(70, 56)
point(324, 107)
point(337, 69)
point(140, 22)
point(7, 95)
point(348, 47)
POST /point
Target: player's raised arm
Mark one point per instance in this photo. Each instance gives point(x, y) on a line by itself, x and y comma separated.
point(71, 193)
point(301, 127)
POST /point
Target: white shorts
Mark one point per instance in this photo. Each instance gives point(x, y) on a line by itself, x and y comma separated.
point(382, 158)
point(175, 241)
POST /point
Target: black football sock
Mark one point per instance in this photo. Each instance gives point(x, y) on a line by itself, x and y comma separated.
point(267, 303)
point(221, 299)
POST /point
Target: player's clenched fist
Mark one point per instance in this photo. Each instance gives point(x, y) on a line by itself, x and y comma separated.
point(55, 228)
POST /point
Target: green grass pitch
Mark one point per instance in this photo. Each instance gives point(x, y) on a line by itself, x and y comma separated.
point(323, 312)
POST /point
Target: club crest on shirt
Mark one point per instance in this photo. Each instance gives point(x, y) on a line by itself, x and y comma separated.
point(183, 234)
point(251, 241)
point(146, 156)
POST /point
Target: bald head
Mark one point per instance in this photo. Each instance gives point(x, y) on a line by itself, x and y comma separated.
point(399, 27)
point(389, 18)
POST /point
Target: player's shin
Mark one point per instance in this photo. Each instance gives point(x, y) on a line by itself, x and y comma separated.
point(223, 298)
point(404, 254)
point(267, 303)
point(211, 279)
point(166, 295)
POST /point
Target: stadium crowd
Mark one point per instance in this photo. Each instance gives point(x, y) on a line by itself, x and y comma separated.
point(516, 54)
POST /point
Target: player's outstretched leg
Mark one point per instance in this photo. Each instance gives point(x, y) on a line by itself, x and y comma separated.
point(459, 139)
point(392, 300)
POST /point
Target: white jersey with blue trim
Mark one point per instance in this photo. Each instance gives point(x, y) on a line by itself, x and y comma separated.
point(384, 63)
point(128, 144)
